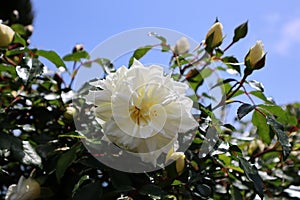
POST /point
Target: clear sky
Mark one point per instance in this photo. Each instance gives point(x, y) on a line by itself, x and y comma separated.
point(60, 24)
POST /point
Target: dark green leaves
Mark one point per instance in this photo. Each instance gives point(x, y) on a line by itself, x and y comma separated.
point(243, 110)
point(90, 191)
point(232, 63)
point(278, 128)
point(139, 53)
point(240, 32)
point(52, 56)
point(64, 161)
point(252, 174)
point(76, 56)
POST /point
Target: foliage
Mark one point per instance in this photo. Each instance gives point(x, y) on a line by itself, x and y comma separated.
point(258, 155)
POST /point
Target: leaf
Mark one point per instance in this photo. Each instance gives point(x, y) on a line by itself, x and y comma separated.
point(244, 109)
point(139, 53)
point(232, 63)
point(256, 85)
point(228, 80)
point(30, 155)
point(161, 38)
point(281, 115)
point(121, 181)
point(18, 39)
point(261, 96)
point(151, 189)
point(252, 174)
point(240, 32)
point(235, 193)
point(263, 129)
point(76, 56)
point(52, 56)
point(79, 183)
point(64, 161)
point(106, 65)
point(204, 190)
point(283, 139)
point(89, 191)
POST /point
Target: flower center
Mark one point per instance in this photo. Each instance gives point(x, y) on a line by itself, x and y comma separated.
point(139, 115)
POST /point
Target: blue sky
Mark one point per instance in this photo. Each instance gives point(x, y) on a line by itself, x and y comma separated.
point(59, 25)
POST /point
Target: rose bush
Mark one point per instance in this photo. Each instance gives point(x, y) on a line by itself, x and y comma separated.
point(142, 110)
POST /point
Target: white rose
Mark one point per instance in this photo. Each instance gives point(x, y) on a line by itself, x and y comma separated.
point(141, 110)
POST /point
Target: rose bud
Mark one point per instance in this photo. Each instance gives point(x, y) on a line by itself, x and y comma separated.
point(214, 36)
point(179, 157)
point(255, 58)
point(70, 113)
point(6, 35)
point(182, 46)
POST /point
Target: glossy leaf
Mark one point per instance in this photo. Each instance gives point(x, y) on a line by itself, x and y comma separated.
point(244, 109)
point(52, 56)
point(252, 174)
point(30, 155)
point(232, 63)
point(263, 129)
point(278, 128)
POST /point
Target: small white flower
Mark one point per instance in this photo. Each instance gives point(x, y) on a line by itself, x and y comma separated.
point(141, 110)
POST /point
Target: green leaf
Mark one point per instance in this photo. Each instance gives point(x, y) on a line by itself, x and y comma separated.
point(76, 56)
point(252, 174)
point(89, 191)
point(232, 63)
point(281, 115)
point(64, 161)
point(106, 65)
point(19, 28)
point(139, 53)
point(196, 77)
point(228, 80)
point(261, 96)
point(244, 109)
point(240, 32)
point(283, 139)
point(52, 56)
point(161, 38)
point(18, 39)
point(263, 129)
point(30, 68)
point(79, 183)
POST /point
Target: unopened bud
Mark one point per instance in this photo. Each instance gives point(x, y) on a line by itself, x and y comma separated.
point(27, 189)
point(255, 59)
point(214, 36)
point(6, 35)
point(78, 47)
point(182, 46)
point(70, 113)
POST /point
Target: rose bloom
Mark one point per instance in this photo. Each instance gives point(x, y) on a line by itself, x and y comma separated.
point(141, 110)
